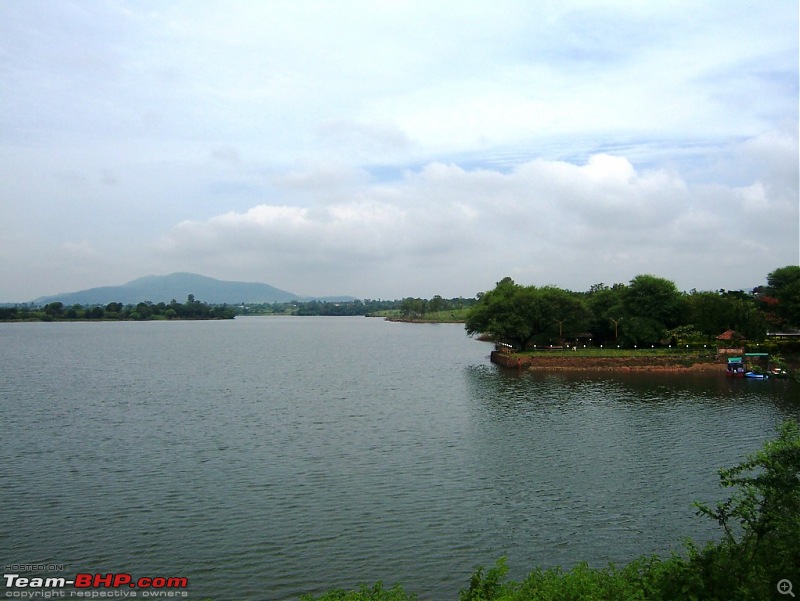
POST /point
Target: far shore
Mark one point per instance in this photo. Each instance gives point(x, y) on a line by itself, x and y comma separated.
point(421, 319)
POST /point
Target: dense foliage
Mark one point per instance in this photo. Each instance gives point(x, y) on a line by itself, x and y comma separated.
point(410, 308)
point(191, 309)
point(758, 549)
point(521, 314)
point(319, 307)
point(647, 311)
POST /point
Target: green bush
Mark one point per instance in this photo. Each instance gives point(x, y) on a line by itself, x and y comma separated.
point(364, 593)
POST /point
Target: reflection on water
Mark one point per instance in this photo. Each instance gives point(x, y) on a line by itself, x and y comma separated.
point(611, 464)
point(265, 458)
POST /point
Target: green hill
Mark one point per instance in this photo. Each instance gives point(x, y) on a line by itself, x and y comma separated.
point(164, 288)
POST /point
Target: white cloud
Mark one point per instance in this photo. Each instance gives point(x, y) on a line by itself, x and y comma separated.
point(79, 251)
point(385, 148)
point(546, 222)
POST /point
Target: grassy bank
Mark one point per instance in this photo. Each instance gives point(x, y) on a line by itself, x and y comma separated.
point(653, 359)
point(599, 359)
point(677, 353)
point(447, 316)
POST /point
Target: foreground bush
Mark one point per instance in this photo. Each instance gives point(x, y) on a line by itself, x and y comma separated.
point(376, 593)
point(760, 546)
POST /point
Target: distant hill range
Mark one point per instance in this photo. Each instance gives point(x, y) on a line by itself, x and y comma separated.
point(178, 286)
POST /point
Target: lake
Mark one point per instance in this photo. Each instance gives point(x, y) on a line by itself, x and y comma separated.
point(268, 457)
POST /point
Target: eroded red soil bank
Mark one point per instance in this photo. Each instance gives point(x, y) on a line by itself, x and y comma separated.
point(582, 363)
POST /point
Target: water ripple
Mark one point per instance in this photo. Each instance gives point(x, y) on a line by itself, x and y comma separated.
point(266, 458)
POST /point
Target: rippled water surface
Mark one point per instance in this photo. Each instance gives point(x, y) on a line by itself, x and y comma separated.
point(264, 458)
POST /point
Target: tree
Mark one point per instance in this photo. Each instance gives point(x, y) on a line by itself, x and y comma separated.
point(54, 309)
point(652, 306)
point(94, 313)
point(143, 311)
point(498, 313)
point(413, 307)
point(606, 311)
point(437, 303)
point(710, 313)
point(642, 331)
point(748, 319)
point(562, 309)
point(783, 284)
point(74, 312)
point(520, 314)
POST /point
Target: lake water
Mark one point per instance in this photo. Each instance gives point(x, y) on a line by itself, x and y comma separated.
point(264, 458)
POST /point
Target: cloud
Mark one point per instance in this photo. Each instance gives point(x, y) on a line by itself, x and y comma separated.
point(545, 221)
point(434, 147)
point(79, 251)
point(226, 155)
point(365, 140)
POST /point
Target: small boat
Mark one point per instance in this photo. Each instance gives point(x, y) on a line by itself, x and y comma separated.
point(739, 367)
point(735, 367)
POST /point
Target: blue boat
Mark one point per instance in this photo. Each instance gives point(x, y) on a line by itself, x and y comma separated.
point(738, 366)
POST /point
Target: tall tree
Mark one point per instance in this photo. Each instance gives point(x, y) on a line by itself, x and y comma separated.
point(499, 313)
point(564, 312)
point(519, 314)
point(606, 312)
point(711, 313)
point(652, 306)
point(783, 284)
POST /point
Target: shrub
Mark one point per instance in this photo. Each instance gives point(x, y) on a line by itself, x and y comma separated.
point(364, 593)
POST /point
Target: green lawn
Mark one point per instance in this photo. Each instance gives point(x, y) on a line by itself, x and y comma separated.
point(625, 352)
point(447, 316)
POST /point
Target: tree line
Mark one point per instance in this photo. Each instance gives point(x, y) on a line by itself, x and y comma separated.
point(57, 311)
point(318, 307)
point(193, 309)
point(409, 307)
point(648, 311)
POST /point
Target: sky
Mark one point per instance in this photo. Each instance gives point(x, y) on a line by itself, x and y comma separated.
point(392, 149)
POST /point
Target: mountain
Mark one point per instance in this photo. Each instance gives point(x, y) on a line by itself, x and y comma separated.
point(164, 288)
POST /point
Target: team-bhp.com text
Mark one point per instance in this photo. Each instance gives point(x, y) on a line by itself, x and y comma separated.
point(117, 585)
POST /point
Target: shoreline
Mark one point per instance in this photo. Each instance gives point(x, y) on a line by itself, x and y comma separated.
point(606, 364)
point(418, 320)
